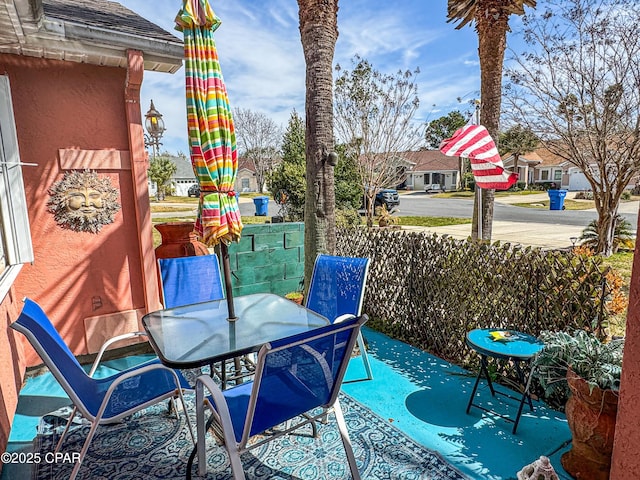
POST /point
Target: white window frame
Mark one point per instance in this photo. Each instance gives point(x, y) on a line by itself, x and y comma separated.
point(14, 220)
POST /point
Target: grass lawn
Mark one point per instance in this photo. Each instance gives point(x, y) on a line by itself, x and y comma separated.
point(431, 221)
point(569, 204)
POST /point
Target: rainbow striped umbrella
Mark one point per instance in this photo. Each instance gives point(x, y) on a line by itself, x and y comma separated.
point(211, 133)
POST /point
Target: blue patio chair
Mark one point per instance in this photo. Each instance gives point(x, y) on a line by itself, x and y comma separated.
point(297, 381)
point(196, 279)
point(336, 291)
point(187, 280)
point(99, 400)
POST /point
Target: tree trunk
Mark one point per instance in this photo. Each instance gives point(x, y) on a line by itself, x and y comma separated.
point(318, 32)
point(492, 40)
point(606, 231)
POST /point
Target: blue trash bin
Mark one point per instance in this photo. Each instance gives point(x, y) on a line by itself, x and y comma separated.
point(262, 204)
point(556, 199)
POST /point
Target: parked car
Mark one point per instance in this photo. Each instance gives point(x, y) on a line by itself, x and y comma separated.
point(194, 191)
point(388, 197)
point(434, 187)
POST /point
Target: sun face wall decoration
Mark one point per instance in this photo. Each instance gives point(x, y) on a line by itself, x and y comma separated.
point(83, 201)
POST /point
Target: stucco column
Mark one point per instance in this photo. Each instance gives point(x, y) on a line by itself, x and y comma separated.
point(139, 168)
point(626, 448)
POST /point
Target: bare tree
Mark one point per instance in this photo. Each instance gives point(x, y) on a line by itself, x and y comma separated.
point(517, 141)
point(319, 33)
point(259, 138)
point(577, 87)
point(374, 115)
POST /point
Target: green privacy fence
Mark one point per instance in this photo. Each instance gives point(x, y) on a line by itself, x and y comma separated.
point(430, 290)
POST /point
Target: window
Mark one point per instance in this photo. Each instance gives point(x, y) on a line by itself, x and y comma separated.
point(557, 175)
point(544, 175)
point(15, 237)
point(245, 184)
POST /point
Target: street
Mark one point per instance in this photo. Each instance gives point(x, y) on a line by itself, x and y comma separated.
point(422, 204)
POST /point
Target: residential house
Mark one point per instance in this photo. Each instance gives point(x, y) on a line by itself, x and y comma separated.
point(539, 167)
point(185, 178)
point(246, 177)
point(432, 171)
point(70, 78)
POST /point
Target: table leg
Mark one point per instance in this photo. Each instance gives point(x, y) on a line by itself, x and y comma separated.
point(483, 369)
point(525, 395)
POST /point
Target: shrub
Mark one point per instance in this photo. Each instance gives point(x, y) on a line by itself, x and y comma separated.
point(584, 195)
point(347, 217)
point(622, 235)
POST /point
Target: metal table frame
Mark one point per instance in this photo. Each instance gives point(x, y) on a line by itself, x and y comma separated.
point(519, 348)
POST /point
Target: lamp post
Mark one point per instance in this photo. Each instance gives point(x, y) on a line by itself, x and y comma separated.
point(155, 128)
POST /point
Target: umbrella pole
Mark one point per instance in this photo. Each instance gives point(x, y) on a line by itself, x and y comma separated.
point(226, 268)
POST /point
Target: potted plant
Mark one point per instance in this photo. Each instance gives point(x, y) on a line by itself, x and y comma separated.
point(296, 297)
point(385, 217)
point(587, 370)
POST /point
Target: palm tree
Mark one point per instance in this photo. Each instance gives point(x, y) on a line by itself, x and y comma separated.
point(319, 33)
point(622, 234)
point(492, 23)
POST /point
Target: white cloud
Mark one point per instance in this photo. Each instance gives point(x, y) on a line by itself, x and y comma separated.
point(263, 63)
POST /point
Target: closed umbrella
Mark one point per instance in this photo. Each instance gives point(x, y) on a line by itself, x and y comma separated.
point(211, 134)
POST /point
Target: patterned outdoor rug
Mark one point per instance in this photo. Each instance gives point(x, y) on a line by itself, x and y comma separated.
point(153, 444)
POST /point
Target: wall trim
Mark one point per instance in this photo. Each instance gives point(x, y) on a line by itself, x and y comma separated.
point(108, 159)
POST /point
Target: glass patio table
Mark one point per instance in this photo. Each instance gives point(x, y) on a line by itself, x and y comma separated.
point(200, 334)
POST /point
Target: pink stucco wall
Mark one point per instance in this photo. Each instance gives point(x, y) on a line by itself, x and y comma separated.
point(64, 106)
point(626, 449)
point(11, 367)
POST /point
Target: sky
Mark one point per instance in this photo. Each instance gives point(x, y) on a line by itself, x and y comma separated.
point(263, 64)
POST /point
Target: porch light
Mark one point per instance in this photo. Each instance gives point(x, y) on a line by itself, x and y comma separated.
point(155, 128)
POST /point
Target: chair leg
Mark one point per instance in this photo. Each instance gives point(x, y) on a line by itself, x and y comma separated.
point(365, 356)
point(226, 426)
point(66, 429)
point(344, 434)
point(365, 360)
point(83, 452)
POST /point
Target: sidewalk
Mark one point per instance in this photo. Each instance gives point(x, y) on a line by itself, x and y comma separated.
point(543, 235)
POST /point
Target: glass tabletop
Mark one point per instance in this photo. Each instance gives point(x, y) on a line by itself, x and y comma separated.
point(198, 334)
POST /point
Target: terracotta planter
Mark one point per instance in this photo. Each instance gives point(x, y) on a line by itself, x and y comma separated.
point(592, 419)
point(179, 240)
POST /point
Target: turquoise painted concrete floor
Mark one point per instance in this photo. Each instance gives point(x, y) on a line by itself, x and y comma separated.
point(418, 393)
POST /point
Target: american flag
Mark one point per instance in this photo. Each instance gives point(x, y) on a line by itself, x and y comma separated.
point(475, 143)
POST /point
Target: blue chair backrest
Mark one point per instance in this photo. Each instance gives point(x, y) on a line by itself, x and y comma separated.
point(34, 324)
point(337, 286)
point(299, 373)
point(187, 280)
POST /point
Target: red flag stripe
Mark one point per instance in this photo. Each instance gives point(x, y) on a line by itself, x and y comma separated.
point(475, 143)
